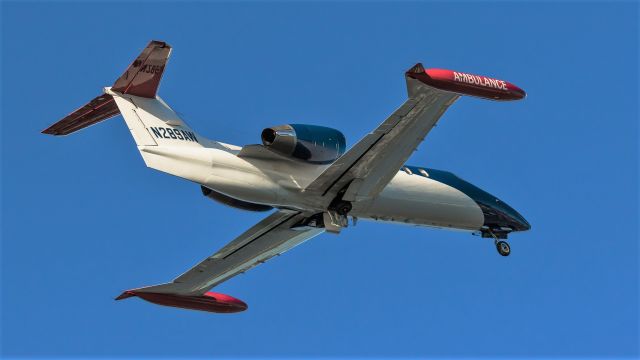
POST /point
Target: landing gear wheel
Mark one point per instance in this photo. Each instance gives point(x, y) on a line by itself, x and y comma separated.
point(503, 248)
point(343, 207)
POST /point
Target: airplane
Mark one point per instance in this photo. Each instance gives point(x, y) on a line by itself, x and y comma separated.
point(303, 172)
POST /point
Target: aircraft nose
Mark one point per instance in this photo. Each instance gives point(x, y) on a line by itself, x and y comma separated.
point(497, 213)
point(506, 216)
point(522, 223)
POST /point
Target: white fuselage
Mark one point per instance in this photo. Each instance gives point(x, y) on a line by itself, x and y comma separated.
point(279, 182)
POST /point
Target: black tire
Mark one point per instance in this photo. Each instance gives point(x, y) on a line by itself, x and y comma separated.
point(503, 248)
point(343, 207)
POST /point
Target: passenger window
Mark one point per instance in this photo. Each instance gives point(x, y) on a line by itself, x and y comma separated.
point(407, 170)
point(424, 172)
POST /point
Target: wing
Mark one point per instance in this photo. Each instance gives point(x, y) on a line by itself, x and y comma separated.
point(272, 236)
point(363, 171)
point(369, 166)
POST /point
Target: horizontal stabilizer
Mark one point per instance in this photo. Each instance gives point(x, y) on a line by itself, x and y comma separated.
point(101, 108)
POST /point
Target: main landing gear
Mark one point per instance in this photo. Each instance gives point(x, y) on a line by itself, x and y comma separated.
point(342, 207)
point(335, 218)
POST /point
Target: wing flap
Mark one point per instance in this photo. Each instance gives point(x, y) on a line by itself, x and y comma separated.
point(254, 247)
point(261, 228)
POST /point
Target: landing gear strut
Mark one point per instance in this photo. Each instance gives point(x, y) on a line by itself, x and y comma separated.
point(499, 240)
point(335, 218)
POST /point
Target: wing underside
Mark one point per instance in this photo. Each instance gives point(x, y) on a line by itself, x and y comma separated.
point(363, 171)
point(272, 236)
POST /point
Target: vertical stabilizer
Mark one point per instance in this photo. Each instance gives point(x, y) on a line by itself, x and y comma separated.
point(143, 76)
point(153, 123)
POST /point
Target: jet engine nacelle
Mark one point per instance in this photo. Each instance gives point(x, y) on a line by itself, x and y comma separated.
point(311, 143)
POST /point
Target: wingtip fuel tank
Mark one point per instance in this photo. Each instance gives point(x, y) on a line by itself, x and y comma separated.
point(466, 84)
point(209, 301)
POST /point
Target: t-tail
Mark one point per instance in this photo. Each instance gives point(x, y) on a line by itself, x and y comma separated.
point(162, 137)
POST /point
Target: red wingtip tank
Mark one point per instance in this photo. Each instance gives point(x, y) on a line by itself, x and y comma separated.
point(210, 301)
point(467, 84)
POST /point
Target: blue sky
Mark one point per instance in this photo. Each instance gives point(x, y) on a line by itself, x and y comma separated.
point(83, 219)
